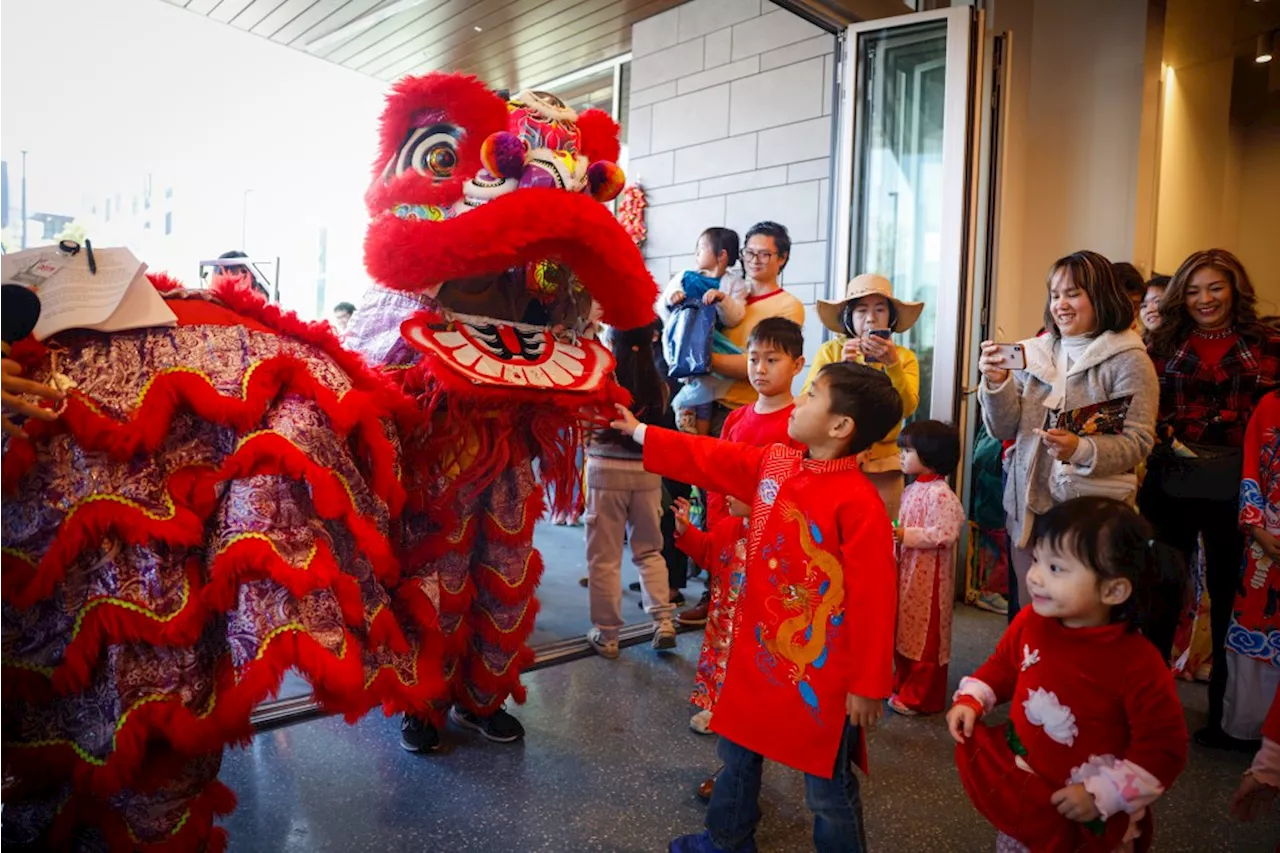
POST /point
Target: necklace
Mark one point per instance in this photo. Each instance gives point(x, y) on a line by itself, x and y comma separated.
point(1213, 336)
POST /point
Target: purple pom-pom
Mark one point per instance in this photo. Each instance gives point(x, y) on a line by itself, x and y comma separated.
point(503, 154)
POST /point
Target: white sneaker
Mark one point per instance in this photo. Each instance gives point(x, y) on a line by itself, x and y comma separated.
point(701, 722)
point(664, 635)
point(604, 648)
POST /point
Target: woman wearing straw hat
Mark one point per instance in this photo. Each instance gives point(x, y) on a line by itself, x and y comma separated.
point(862, 322)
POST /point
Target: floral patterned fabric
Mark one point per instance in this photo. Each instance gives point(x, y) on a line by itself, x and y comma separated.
point(723, 551)
point(1255, 622)
point(213, 508)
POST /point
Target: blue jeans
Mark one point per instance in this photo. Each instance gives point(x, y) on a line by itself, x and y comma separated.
point(836, 803)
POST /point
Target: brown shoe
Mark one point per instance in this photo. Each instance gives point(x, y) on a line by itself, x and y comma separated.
point(696, 615)
point(705, 789)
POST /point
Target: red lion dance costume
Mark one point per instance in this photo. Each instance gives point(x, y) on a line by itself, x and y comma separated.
point(238, 495)
point(490, 248)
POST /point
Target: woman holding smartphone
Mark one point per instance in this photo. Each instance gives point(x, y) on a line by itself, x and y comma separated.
point(863, 322)
point(1088, 366)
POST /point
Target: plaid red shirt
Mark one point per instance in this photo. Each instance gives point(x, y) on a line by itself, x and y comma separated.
point(1211, 403)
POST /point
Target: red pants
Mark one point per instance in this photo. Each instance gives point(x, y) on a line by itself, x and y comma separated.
point(921, 685)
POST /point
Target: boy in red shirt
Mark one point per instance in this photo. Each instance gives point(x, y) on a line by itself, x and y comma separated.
point(775, 357)
point(813, 656)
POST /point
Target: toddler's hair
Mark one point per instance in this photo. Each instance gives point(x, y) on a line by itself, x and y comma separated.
point(786, 335)
point(866, 395)
point(1129, 279)
point(723, 240)
point(937, 444)
point(1116, 542)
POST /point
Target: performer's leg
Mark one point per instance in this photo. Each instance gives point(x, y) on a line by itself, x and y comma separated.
point(505, 569)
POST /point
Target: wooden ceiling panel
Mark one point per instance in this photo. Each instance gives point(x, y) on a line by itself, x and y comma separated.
point(255, 12)
point(315, 18)
point(434, 12)
point(227, 10)
point(497, 63)
point(545, 21)
point(518, 43)
point(412, 42)
point(524, 65)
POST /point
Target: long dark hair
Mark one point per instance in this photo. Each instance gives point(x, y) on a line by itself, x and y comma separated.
point(1176, 324)
point(1116, 542)
point(637, 371)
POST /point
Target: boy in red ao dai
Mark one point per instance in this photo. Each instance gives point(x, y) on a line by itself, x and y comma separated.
point(812, 659)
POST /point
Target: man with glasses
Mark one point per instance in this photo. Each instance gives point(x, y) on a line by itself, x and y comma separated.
point(767, 249)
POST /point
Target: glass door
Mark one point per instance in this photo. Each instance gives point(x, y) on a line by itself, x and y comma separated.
point(903, 179)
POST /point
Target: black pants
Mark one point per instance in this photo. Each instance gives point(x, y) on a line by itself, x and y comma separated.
point(1178, 521)
point(677, 560)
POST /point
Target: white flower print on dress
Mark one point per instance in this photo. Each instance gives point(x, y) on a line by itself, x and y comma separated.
point(1029, 657)
point(1043, 709)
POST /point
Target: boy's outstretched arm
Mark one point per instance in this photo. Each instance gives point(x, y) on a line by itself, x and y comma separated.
point(870, 604)
point(708, 463)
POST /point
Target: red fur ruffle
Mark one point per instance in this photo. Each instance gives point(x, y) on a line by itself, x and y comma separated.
point(105, 621)
point(527, 225)
point(253, 558)
point(481, 681)
point(194, 832)
point(512, 593)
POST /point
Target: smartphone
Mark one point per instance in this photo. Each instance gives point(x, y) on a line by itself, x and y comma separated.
point(879, 333)
point(1011, 356)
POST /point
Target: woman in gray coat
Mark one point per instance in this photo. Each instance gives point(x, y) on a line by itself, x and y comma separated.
point(1088, 356)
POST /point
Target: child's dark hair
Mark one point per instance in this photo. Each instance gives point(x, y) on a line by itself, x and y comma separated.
point(937, 444)
point(779, 332)
point(1130, 279)
point(781, 238)
point(1116, 542)
point(866, 395)
point(723, 240)
point(637, 371)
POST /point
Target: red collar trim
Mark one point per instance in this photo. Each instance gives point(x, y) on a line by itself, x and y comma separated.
point(929, 478)
point(751, 300)
point(830, 466)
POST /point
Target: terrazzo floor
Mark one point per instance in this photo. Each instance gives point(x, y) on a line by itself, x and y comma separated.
point(610, 765)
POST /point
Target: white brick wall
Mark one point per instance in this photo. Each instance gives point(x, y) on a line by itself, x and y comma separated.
point(731, 124)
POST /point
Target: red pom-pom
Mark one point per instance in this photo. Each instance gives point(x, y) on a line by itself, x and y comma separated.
point(606, 180)
point(502, 154)
point(599, 136)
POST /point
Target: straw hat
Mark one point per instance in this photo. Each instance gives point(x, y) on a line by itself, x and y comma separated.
point(868, 284)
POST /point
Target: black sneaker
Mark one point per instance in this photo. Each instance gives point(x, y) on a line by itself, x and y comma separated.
point(499, 727)
point(418, 735)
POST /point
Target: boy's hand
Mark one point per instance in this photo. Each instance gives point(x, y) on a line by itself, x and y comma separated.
point(625, 422)
point(960, 721)
point(863, 712)
point(1075, 803)
point(1269, 541)
point(676, 297)
point(711, 297)
point(681, 511)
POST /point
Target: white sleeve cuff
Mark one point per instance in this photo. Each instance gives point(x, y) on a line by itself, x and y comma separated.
point(1117, 786)
point(1266, 764)
point(979, 690)
point(1086, 452)
point(638, 435)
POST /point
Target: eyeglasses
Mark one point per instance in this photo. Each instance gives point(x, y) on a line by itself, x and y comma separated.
point(762, 257)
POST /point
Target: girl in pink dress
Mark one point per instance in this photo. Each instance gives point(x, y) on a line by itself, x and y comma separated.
point(930, 522)
point(1095, 733)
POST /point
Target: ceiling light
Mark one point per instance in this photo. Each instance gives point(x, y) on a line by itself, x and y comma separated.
point(1263, 54)
point(478, 29)
point(360, 24)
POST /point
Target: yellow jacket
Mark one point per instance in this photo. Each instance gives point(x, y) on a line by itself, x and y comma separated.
point(905, 376)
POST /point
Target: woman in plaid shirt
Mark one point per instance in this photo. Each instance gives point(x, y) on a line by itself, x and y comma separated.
point(1215, 359)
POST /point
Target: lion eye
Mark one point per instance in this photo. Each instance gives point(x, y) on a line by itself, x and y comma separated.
point(430, 151)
